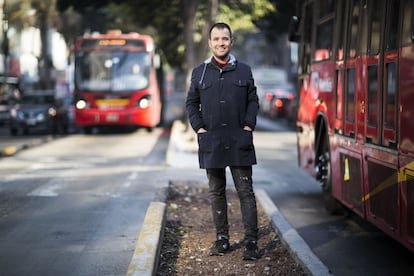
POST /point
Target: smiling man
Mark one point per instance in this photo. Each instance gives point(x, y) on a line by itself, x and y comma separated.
point(222, 107)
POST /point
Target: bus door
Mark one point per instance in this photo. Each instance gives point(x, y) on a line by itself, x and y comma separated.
point(379, 48)
point(348, 121)
point(381, 66)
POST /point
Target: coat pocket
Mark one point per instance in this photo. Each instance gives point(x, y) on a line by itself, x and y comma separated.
point(241, 83)
point(245, 140)
point(204, 142)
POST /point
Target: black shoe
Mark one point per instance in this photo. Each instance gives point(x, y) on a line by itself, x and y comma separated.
point(220, 246)
point(250, 251)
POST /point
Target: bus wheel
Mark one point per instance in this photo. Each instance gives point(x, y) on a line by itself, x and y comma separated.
point(324, 176)
point(87, 130)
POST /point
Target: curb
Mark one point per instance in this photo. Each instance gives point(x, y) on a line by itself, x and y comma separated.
point(146, 255)
point(13, 149)
point(297, 247)
point(9, 151)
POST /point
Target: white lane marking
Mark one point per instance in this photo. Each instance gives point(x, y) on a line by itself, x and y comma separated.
point(133, 176)
point(126, 184)
point(46, 191)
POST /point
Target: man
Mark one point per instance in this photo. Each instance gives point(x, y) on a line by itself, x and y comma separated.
point(222, 106)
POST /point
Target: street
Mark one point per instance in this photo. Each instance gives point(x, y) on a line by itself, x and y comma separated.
point(75, 205)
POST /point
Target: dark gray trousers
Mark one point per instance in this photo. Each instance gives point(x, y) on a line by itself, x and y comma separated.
point(242, 177)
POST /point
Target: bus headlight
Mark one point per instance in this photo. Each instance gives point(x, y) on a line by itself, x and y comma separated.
point(144, 102)
point(81, 104)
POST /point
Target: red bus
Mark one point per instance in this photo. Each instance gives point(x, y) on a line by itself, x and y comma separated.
point(116, 81)
point(355, 130)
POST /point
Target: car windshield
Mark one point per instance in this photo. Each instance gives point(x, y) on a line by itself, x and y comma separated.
point(269, 76)
point(112, 71)
point(37, 99)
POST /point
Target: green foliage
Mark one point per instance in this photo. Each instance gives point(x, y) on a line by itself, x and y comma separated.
point(165, 20)
point(276, 23)
point(243, 14)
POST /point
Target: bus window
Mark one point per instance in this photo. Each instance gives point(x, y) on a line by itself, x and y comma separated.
point(392, 29)
point(324, 31)
point(365, 19)
point(373, 104)
point(117, 71)
point(338, 102)
point(324, 41)
point(350, 95)
point(353, 30)
point(339, 29)
point(375, 26)
point(408, 23)
point(391, 96)
point(306, 40)
point(326, 7)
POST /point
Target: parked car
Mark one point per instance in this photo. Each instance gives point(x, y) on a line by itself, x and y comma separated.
point(269, 79)
point(4, 111)
point(39, 111)
point(277, 100)
point(9, 93)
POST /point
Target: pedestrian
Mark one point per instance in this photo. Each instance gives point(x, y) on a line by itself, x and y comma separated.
point(222, 106)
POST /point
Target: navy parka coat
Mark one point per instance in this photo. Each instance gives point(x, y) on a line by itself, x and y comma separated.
point(223, 101)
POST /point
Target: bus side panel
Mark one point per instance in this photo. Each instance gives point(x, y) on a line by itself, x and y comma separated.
point(316, 97)
point(383, 196)
point(351, 176)
point(406, 144)
point(407, 204)
point(305, 126)
point(406, 89)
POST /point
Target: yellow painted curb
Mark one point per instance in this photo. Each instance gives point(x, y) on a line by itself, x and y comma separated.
point(9, 151)
point(145, 259)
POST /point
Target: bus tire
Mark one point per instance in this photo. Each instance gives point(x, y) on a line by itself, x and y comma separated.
point(324, 172)
point(87, 130)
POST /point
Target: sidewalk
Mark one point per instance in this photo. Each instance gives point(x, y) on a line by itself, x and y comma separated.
point(182, 149)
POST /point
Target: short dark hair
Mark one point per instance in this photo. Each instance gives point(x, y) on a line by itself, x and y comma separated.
point(221, 25)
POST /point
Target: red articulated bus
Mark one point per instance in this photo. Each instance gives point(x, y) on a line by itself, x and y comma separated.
point(116, 81)
point(355, 119)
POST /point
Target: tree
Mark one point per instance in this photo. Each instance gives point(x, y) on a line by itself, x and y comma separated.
point(180, 27)
point(277, 23)
point(41, 14)
point(46, 13)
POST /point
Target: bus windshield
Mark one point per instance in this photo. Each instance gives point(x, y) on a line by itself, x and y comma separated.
point(112, 71)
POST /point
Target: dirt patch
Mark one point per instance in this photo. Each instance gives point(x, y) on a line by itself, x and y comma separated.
point(189, 234)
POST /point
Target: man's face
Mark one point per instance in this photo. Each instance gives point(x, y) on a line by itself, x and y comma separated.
point(220, 43)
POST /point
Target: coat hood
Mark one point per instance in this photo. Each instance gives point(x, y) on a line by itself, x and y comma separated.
point(232, 60)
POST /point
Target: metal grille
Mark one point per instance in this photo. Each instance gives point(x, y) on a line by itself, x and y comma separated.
point(383, 193)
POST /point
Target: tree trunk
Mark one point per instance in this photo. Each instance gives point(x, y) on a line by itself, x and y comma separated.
point(196, 51)
point(45, 63)
point(189, 9)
